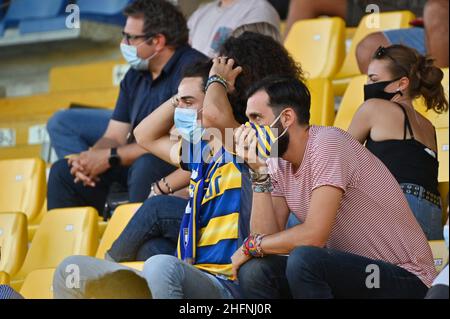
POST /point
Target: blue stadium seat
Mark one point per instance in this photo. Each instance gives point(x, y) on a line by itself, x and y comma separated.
point(31, 10)
point(106, 11)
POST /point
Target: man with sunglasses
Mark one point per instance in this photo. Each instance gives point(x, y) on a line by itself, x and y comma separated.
point(155, 45)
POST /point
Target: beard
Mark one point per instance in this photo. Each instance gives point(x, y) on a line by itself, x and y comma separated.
point(281, 145)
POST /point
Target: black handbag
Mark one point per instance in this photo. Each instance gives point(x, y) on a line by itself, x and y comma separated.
point(117, 196)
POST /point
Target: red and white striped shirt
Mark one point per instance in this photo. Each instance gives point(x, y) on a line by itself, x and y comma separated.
point(374, 219)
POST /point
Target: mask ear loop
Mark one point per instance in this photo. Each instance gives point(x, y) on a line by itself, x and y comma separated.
point(274, 122)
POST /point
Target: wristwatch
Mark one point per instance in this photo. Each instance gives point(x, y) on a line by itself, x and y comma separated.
point(114, 158)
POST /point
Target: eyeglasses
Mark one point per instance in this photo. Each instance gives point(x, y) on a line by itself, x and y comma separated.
point(128, 37)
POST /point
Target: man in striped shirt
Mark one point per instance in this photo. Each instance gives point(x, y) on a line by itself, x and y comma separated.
point(357, 238)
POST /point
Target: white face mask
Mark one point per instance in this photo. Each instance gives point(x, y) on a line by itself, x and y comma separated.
point(130, 54)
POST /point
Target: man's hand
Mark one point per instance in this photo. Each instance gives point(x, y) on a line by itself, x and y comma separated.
point(246, 145)
point(77, 171)
point(87, 166)
point(238, 259)
point(224, 68)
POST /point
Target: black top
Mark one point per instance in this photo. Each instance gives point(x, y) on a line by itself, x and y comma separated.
point(408, 160)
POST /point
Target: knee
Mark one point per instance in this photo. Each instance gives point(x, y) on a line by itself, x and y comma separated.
point(69, 266)
point(144, 162)
point(59, 169)
point(160, 269)
point(255, 270)
point(304, 259)
point(57, 122)
point(148, 213)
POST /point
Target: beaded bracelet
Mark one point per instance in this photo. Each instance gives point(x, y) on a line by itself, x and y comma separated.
point(264, 186)
point(216, 79)
point(252, 246)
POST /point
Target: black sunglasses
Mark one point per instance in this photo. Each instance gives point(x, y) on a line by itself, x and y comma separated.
point(128, 37)
point(382, 52)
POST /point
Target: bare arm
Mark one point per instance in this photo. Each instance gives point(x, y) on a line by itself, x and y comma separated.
point(176, 180)
point(217, 110)
point(116, 136)
point(87, 166)
point(361, 123)
point(316, 229)
point(269, 214)
point(153, 134)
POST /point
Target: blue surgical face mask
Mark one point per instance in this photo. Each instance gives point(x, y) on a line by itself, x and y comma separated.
point(130, 54)
point(187, 124)
point(446, 234)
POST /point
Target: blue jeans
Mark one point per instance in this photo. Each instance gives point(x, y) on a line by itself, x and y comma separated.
point(153, 230)
point(73, 131)
point(166, 276)
point(428, 215)
point(319, 273)
point(171, 278)
point(63, 192)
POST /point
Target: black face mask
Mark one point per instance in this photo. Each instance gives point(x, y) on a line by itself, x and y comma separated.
point(376, 91)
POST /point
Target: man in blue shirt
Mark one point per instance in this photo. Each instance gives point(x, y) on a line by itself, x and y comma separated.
point(156, 46)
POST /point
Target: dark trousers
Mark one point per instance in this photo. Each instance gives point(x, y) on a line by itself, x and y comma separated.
point(318, 273)
point(153, 230)
point(63, 192)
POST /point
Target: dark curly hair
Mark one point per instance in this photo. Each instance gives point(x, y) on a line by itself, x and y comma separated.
point(259, 56)
point(161, 17)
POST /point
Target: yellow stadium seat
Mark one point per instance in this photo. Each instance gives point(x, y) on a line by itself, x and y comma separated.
point(443, 190)
point(4, 278)
point(282, 27)
point(116, 225)
point(442, 140)
point(322, 101)
point(23, 186)
point(138, 265)
point(318, 45)
point(22, 115)
point(22, 107)
point(440, 253)
point(102, 75)
point(440, 122)
point(62, 233)
point(13, 241)
point(32, 228)
point(38, 284)
point(101, 227)
point(387, 21)
point(351, 101)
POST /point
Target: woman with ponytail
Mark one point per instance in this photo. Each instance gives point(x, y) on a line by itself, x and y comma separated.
point(397, 134)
